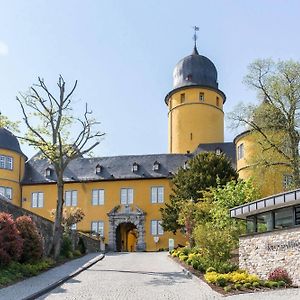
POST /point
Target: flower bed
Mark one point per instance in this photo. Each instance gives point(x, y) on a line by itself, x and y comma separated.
point(225, 277)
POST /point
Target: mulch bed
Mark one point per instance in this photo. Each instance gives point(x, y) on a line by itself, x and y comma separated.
point(219, 289)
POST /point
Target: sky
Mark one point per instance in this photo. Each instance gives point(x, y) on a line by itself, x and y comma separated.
point(123, 54)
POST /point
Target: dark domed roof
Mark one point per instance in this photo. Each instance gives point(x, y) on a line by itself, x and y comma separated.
point(195, 69)
point(9, 142)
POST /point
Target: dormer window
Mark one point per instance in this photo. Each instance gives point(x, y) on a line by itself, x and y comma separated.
point(48, 172)
point(135, 167)
point(218, 151)
point(98, 169)
point(156, 166)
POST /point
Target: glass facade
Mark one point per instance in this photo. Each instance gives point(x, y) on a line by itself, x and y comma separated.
point(275, 219)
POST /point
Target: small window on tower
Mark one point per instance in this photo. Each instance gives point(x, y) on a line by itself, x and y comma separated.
point(218, 101)
point(189, 77)
point(182, 98)
point(201, 97)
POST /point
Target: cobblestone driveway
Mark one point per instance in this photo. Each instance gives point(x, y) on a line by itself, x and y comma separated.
point(145, 276)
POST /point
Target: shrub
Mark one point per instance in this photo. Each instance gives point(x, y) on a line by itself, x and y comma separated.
point(66, 246)
point(11, 243)
point(280, 274)
point(32, 240)
point(76, 253)
point(227, 288)
point(274, 284)
point(237, 286)
point(247, 285)
point(221, 281)
point(281, 283)
point(210, 269)
point(255, 284)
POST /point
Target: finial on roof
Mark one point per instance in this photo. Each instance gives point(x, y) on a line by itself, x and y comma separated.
point(195, 37)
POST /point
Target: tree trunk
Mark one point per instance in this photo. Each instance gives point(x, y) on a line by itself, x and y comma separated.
point(58, 229)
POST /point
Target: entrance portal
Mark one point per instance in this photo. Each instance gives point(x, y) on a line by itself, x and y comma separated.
point(126, 237)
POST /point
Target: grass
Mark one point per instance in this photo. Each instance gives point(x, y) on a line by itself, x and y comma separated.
point(16, 271)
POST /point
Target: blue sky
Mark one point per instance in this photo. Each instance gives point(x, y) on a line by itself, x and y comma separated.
point(123, 54)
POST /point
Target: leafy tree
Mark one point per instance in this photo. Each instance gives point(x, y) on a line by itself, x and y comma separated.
point(191, 182)
point(217, 235)
point(11, 243)
point(70, 217)
point(8, 124)
point(32, 240)
point(50, 121)
point(276, 119)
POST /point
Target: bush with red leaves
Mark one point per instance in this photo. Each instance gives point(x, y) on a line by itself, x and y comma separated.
point(33, 244)
point(280, 274)
point(11, 243)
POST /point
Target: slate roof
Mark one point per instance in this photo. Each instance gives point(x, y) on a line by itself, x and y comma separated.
point(112, 168)
point(119, 167)
point(9, 142)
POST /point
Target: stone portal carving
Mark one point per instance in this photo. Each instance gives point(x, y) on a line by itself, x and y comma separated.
point(126, 214)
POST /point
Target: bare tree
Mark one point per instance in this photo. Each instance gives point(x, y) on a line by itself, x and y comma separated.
point(49, 121)
point(276, 119)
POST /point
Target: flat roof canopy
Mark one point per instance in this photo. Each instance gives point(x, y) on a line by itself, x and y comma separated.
point(285, 199)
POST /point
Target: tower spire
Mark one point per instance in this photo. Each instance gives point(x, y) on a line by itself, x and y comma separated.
point(195, 37)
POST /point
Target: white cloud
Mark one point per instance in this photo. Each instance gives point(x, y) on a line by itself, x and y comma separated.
point(3, 49)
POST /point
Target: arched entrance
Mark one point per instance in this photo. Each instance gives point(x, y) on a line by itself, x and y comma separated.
point(126, 237)
point(129, 221)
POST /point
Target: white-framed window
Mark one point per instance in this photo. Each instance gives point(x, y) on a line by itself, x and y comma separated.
point(6, 162)
point(287, 181)
point(98, 227)
point(98, 197)
point(6, 191)
point(73, 227)
point(156, 228)
point(71, 198)
point(201, 97)
point(157, 194)
point(126, 196)
point(37, 199)
point(240, 151)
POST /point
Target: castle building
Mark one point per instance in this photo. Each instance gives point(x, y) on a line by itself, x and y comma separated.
point(121, 196)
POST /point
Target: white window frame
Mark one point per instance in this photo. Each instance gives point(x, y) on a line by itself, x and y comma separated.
point(157, 194)
point(240, 151)
point(156, 228)
point(287, 180)
point(98, 196)
point(71, 198)
point(97, 227)
point(6, 192)
point(73, 226)
point(126, 196)
point(37, 199)
point(6, 162)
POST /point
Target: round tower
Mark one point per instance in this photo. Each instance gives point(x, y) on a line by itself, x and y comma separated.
point(195, 105)
point(12, 166)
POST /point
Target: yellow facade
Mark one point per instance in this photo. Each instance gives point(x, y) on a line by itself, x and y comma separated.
point(269, 180)
point(141, 199)
point(195, 117)
point(12, 178)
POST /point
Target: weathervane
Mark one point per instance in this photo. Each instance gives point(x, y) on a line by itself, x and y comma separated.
point(195, 37)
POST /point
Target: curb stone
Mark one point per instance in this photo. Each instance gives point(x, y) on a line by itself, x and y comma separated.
point(64, 279)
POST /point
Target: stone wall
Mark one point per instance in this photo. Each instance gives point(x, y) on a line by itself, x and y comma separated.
point(45, 227)
point(262, 253)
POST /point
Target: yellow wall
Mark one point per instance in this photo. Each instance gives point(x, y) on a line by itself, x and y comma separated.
point(12, 178)
point(194, 122)
point(142, 199)
point(268, 180)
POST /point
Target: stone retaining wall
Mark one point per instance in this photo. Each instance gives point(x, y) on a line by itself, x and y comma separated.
point(262, 253)
point(45, 227)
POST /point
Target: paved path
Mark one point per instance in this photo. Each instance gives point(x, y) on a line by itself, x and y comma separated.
point(145, 276)
point(34, 284)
